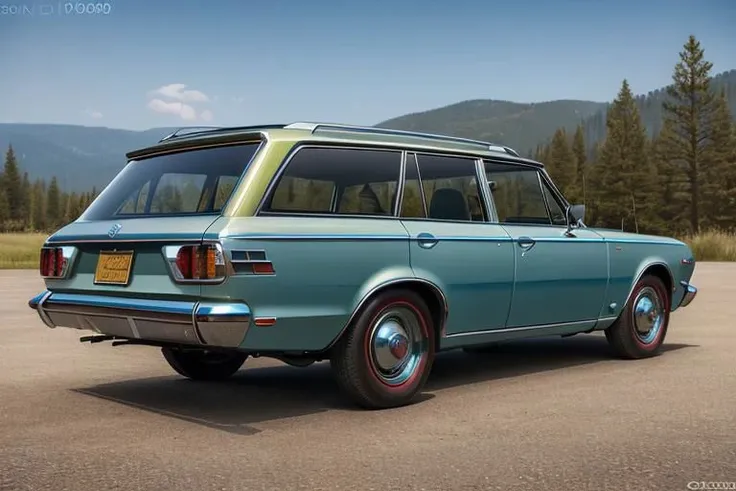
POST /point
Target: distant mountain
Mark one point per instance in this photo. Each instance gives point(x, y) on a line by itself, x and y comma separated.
point(79, 156)
point(520, 126)
point(82, 157)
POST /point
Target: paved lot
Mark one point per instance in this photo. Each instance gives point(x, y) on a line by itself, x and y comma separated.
point(552, 414)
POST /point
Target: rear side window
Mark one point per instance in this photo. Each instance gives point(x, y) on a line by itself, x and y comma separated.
point(338, 181)
point(189, 182)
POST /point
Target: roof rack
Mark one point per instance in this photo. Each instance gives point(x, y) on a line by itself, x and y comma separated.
point(201, 130)
point(313, 127)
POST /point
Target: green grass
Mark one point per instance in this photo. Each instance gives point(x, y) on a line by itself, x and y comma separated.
point(20, 250)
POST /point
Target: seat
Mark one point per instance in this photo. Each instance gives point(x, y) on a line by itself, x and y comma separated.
point(449, 204)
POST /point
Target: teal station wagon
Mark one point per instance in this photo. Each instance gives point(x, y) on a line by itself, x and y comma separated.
point(372, 248)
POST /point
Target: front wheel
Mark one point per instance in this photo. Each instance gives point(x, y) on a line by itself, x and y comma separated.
point(640, 330)
point(386, 355)
point(204, 365)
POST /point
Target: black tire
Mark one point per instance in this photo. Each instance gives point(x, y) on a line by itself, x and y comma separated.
point(407, 335)
point(204, 365)
point(631, 342)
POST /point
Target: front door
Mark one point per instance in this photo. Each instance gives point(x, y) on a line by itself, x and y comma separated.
point(560, 278)
point(453, 245)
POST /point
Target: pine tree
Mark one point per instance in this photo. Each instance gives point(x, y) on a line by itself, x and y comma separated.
point(38, 206)
point(581, 162)
point(625, 179)
point(13, 186)
point(561, 165)
point(4, 206)
point(25, 200)
point(690, 112)
point(54, 213)
point(719, 183)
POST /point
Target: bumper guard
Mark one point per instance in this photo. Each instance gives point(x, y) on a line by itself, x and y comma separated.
point(690, 293)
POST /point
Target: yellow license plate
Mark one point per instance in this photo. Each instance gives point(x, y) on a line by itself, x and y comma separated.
point(113, 267)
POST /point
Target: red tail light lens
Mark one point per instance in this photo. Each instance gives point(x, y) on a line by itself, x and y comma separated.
point(200, 262)
point(52, 262)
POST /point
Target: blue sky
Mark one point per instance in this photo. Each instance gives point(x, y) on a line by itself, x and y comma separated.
point(249, 62)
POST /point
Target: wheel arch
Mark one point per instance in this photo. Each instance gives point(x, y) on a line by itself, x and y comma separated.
point(432, 295)
point(657, 268)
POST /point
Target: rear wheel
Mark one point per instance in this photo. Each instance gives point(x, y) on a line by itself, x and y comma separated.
point(204, 365)
point(640, 330)
point(386, 355)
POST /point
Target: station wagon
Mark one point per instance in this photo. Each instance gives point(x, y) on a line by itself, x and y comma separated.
point(372, 248)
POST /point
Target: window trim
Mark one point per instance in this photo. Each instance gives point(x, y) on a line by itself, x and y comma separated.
point(542, 179)
point(276, 178)
point(486, 205)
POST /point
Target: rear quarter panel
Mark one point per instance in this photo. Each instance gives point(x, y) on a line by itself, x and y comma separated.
point(632, 254)
point(323, 268)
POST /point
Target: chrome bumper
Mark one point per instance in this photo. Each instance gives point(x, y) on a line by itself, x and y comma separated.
point(690, 293)
point(198, 323)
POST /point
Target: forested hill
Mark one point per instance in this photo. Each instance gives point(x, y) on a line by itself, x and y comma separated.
point(520, 126)
point(524, 126)
point(650, 108)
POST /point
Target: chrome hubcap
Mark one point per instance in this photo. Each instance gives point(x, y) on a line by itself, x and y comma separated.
point(648, 314)
point(396, 345)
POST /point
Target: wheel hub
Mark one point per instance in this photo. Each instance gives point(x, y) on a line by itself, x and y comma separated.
point(647, 314)
point(390, 345)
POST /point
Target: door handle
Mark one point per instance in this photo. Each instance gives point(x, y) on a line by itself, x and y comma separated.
point(426, 240)
point(525, 242)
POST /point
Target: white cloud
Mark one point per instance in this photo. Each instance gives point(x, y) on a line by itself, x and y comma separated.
point(184, 111)
point(206, 115)
point(178, 92)
point(238, 100)
point(93, 114)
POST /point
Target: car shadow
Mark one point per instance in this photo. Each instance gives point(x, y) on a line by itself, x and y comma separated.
point(263, 394)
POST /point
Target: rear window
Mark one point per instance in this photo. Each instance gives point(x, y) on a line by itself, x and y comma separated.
point(184, 183)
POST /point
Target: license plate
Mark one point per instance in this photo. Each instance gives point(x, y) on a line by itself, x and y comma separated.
point(113, 267)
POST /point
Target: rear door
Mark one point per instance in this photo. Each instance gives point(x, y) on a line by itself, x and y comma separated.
point(162, 200)
point(454, 245)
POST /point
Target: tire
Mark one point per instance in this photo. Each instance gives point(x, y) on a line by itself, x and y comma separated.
point(394, 327)
point(632, 342)
point(204, 365)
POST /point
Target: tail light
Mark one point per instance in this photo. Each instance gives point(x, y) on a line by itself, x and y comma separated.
point(54, 261)
point(196, 263)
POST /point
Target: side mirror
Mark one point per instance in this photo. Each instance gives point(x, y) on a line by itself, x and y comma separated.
point(575, 214)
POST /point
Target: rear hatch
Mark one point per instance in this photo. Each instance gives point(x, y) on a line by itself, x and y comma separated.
point(116, 246)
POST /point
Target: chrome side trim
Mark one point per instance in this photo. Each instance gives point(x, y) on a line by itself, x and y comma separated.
point(519, 328)
point(690, 294)
point(386, 284)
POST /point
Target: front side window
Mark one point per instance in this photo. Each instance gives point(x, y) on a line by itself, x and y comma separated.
point(341, 181)
point(187, 182)
point(450, 188)
point(521, 196)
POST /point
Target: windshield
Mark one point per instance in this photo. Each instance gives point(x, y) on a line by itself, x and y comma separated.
point(191, 182)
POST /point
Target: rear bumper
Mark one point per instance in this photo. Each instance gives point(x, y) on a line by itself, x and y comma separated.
point(690, 293)
point(197, 323)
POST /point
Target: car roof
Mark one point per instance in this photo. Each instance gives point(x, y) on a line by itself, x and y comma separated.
point(330, 133)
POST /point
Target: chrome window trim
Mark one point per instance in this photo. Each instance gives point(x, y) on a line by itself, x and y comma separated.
point(486, 194)
point(421, 188)
point(400, 188)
